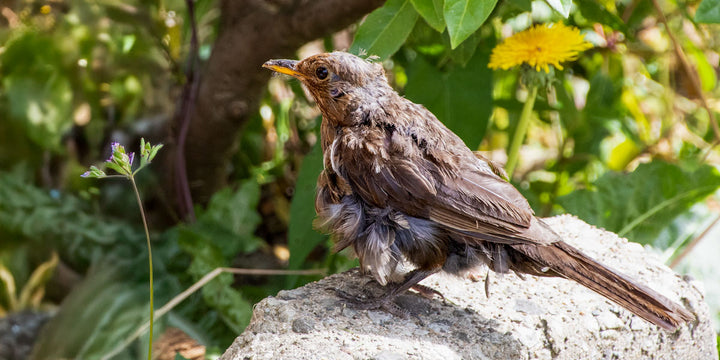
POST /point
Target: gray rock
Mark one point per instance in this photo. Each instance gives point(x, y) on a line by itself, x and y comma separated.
point(535, 318)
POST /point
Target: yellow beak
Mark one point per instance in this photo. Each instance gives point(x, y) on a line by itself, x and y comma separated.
point(282, 66)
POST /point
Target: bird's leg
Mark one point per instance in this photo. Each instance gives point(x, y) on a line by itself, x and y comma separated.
point(392, 290)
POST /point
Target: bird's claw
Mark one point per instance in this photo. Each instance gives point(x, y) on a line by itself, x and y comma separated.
point(367, 302)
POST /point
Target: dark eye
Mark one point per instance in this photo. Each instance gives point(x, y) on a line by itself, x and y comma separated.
point(321, 72)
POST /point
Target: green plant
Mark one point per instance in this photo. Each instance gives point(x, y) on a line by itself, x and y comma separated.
point(122, 163)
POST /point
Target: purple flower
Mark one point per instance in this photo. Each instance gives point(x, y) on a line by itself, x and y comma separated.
point(86, 174)
point(132, 157)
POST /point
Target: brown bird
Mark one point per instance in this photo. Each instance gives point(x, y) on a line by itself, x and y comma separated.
point(400, 187)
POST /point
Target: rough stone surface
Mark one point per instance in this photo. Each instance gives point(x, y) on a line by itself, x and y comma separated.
point(535, 318)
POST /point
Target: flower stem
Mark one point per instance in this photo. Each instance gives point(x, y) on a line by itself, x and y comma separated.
point(520, 131)
point(150, 263)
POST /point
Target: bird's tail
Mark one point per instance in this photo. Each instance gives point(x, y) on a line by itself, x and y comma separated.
point(561, 259)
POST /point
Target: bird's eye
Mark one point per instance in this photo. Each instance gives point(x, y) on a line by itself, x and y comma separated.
point(321, 72)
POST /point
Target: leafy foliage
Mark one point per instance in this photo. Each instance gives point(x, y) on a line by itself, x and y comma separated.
point(48, 219)
point(464, 17)
point(223, 230)
point(432, 12)
point(641, 204)
point(385, 30)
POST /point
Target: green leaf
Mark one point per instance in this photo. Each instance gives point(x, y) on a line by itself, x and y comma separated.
point(463, 53)
point(463, 17)
point(230, 219)
point(385, 29)
point(302, 238)
point(561, 6)
point(596, 12)
point(641, 204)
point(432, 12)
point(705, 70)
point(460, 97)
point(522, 5)
point(708, 12)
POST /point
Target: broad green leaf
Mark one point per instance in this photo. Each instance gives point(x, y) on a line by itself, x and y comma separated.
point(464, 17)
point(302, 238)
point(432, 12)
point(385, 29)
point(708, 12)
point(460, 97)
point(641, 204)
point(561, 6)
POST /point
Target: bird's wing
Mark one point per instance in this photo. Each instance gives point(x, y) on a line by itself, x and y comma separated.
point(386, 170)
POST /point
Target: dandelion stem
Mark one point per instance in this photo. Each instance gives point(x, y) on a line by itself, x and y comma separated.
point(520, 131)
point(147, 238)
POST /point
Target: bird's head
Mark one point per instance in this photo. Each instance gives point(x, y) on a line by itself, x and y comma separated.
point(338, 81)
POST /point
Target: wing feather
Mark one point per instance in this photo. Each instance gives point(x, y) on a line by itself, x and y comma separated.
point(472, 201)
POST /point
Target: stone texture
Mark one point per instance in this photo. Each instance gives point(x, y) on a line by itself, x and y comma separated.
point(535, 318)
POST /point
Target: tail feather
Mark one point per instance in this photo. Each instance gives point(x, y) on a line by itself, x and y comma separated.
point(561, 259)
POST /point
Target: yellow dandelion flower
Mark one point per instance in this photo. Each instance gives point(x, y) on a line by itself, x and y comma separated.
point(540, 46)
point(45, 9)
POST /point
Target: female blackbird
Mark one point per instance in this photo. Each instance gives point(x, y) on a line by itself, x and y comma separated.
point(400, 188)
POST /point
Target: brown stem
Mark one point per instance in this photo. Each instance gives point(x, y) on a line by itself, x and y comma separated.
point(692, 244)
point(689, 71)
point(182, 116)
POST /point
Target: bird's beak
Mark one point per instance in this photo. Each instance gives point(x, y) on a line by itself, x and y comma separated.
point(282, 66)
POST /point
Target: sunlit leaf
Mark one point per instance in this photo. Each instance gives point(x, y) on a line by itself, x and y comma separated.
point(34, 289)
point(641, 204)
point(464, 17)
point(7, 281)
point(432, 12)
point(622, 154)
point(705, 71)
point(385, 29)
point(561, 6)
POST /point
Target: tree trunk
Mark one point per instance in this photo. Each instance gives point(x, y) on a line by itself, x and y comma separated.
point(251, 32)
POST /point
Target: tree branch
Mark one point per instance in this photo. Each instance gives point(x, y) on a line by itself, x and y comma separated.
point(251, 32)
